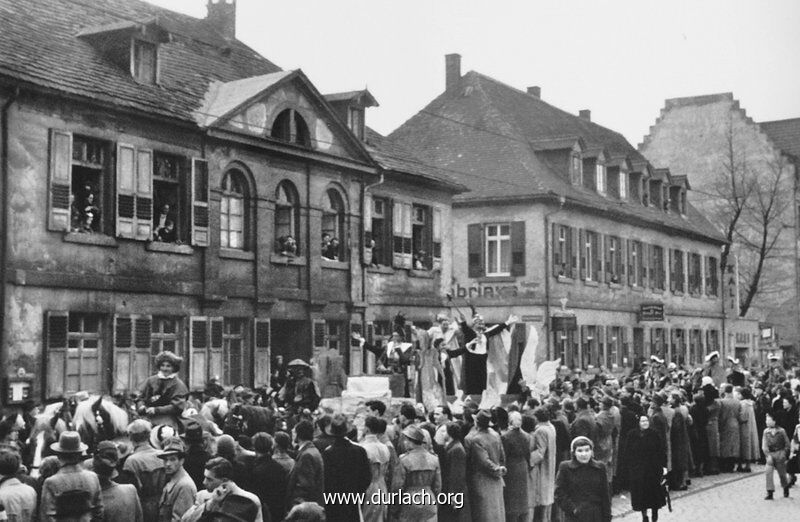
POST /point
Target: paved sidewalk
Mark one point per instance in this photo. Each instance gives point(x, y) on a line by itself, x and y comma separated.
point(725, 497)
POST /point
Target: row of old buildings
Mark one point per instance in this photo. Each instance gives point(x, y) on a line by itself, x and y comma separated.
point(166, 187)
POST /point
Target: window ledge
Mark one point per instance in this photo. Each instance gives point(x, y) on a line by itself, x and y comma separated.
point(637, 289)
point(423, 274)
point(336, 265)
point(615, 285)
point(230, 253)
point(591, 283)
point(380, 269)
point(172, 248)
point(280, 259)
point(91, 239)
point(565, 280)
point(497, 279)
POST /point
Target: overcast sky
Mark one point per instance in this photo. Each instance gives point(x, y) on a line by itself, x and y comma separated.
point(620, 59)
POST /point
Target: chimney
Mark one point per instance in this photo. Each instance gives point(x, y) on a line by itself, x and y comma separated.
point(585, 114)
point(222, 16)
point(452, 64)
point(535, 91)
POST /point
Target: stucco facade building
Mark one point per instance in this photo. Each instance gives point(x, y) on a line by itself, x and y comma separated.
point(165, 187)
point(563, 212)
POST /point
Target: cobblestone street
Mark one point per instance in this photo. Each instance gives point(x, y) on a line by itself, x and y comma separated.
point(726, 497)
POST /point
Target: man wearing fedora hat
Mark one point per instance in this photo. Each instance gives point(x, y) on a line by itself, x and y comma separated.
point(418, 473)
point(179, 491)
point(120, 501)
point(73, 492)
point(486, 469)
point(347, 470)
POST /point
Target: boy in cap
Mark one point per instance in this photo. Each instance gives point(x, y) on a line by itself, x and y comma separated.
point(72, 491)
point(179, 491)
point(120, 501)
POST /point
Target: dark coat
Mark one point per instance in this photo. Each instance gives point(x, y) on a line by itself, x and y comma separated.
point(454, 480)
point(679, 436)
point(697, 433)
point(629, 422)
point(347, 470)
point(195, 464)
point(167, 397)
point(269, 481)
point(646, 457)
point(729, 409)
point(517, 447)
point(306, 481)
point(582, 491)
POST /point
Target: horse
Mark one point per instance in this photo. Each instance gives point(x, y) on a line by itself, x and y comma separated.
point(99, 418)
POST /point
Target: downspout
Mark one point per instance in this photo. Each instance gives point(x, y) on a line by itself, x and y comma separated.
point(561, 201)
point(5, 228)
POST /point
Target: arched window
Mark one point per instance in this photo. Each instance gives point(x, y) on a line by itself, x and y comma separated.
point(290, 126)
point(287, 219)
point(233, 210)
point(333, 226)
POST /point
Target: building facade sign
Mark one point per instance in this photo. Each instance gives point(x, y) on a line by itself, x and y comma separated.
point(652, 312)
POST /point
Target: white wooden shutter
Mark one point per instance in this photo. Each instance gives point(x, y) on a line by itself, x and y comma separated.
point(144, 195)
point(198, 351)
point(216, 365)
point(60, 180)
point(397, 234)
point(407, 235)
point(199, 202)
point(56, 353)
point(437, 239)
point(261, 354)
point(131, 351)
point(126, 191)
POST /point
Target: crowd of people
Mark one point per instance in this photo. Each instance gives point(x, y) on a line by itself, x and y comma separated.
point(259, 455)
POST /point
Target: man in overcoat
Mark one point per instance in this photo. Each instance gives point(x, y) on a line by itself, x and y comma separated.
point(517, 449)
point(347, 470)
point(543, 466)
point(306, 480)
point(486, 469)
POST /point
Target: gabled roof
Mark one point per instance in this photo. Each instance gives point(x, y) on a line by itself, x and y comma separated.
point(363, 98)
point(481, 131)
point(224, 98)
point(682, 181)
point(785, 134)
point(39, 46)
point(567, 142)
point(126, 27)
point(661, 175)
point(394, 157)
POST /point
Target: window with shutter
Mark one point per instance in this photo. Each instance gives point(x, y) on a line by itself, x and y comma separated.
point(498, 249)
point(422, 237)
point(711, 276)
point(408, 253)
point(233, 355)
point(216, 364)
point(475, 254)
point(170, 189)
point(557, 240)
point(74, 345)
point(200, 202)
point(134, 192)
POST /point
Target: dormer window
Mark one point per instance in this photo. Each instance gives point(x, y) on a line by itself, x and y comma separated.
point(655, 193)
point(144, 62)
point(291, 127)
point(623, 185)
point(600, 178)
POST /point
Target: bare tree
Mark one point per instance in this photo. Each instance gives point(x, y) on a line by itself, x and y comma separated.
point(749, 200)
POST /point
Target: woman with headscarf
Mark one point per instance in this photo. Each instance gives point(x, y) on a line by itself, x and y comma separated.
point(582, 490)
point(647, 460)
point(163, 396)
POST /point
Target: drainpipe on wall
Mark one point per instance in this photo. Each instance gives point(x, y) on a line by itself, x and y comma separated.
point(561, 201)
point(6, 213)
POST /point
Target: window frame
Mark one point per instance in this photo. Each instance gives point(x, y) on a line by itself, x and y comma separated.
point(500, 239)
point(600, 178)
point(228, 196)
point(576, 169)
point(623, 185)
point(289, 205)
point(139, 74)
point(339, 216)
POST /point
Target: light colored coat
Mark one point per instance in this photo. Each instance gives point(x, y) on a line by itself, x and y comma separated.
point(177, 498)
point(543, 465)
point(729, 428)
point(19, 500)
point(485, 457)
point(748, 432)
point(71, 477)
